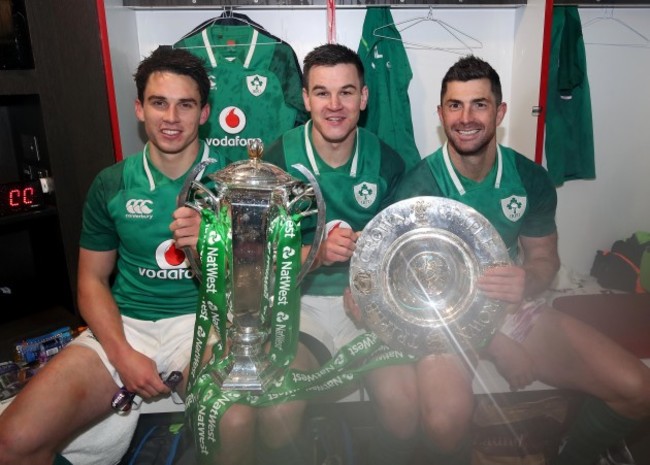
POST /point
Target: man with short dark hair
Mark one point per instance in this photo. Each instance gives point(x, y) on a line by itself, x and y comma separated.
point(357, 174)
point(536, 342)
point(140, 324)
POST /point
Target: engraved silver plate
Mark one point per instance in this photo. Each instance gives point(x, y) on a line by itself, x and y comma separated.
point(414, 274)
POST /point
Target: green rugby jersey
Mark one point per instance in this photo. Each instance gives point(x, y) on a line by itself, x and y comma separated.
point(569, 144)
point(388, 75)
point(256, 87)
point(129, 209)
point(354, 193)
point(517, 196)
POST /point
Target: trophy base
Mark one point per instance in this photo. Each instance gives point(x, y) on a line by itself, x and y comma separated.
point(250, 370)
point(249, 375)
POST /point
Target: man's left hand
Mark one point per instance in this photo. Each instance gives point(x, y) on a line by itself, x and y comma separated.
point(504, 283)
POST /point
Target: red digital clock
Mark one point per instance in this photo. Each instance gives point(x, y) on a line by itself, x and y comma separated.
point(18, 197)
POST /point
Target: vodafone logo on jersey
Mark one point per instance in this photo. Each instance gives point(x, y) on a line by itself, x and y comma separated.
point(172, 263)
point(139, 208)
point(232, 120)
point(169, 257)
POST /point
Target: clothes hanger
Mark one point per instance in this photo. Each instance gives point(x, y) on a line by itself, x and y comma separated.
point(467, 42)
point(229, 18)
point(208, 45)
point(608, 16)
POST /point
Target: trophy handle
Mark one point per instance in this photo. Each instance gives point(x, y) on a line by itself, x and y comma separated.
point(187, 198)
point(320, 223)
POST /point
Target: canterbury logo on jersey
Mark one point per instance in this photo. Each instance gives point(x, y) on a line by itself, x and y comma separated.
point(513, 207)
point(172, 263)
point(213, 82)
point(139, 208)
point(365, 193)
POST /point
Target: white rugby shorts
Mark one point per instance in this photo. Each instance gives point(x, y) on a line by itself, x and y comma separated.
point(168, 342)
point(324, 318)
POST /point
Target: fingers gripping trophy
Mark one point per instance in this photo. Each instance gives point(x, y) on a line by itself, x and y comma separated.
point(248, 263)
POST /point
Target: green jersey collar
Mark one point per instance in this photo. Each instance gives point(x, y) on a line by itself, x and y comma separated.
point(312, 158)
point(454, 176)
point(147, 169)
point(210, 52)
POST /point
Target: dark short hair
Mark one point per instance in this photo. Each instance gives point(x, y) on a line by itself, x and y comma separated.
point(331, 55)
point(173, 60)
point(469, 68)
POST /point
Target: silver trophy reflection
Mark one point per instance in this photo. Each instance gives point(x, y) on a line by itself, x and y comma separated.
point(252, 190)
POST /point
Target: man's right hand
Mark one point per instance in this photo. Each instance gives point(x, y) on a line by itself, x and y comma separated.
point(338, 246)
point(185, 227)
point(140, 375)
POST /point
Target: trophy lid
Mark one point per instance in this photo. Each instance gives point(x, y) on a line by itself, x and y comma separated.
point(253, 173)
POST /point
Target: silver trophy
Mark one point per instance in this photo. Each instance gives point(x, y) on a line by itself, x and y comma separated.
point(414, 272)
point(252, 191)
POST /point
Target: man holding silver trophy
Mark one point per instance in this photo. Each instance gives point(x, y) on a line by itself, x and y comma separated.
point(358, 174)
point(472, 178)
point(535, 342)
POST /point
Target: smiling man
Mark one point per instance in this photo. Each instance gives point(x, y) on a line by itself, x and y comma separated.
point(141, 322)
point(357, 174)
point(536, 342)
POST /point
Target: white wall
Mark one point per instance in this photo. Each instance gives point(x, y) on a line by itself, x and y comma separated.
point(306, 28)
point(593, 214)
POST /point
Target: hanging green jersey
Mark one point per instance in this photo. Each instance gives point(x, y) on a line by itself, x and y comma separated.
point(256, 86)
point(354, 193)
point(517, 196)
point(129, 208)
point(569, 144)
point(388, 75)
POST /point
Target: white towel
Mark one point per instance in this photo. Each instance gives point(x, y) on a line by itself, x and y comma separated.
point(105, 443)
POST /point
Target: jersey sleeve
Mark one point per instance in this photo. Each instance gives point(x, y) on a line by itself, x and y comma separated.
point(542, 198)
point(98, 230)
point(418, 181)
point(392, 171)
point(286, 67)
point(275, 154)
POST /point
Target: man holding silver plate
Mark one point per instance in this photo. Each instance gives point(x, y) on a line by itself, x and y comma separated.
point(535, 342)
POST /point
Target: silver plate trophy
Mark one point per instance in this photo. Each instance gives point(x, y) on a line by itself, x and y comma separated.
point(414, 274)
point(253, 191)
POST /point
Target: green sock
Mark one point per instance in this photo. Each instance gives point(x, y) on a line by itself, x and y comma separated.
point(595, 429)
point(461, 456)
point(61, 460)
point(386, 449)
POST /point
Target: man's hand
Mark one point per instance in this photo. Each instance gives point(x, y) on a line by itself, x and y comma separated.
point(504, 283)
point(140, 375)
point(338, 246)
point(185, 227)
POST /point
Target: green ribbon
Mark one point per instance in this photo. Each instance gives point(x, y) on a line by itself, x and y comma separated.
point(206, 402)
